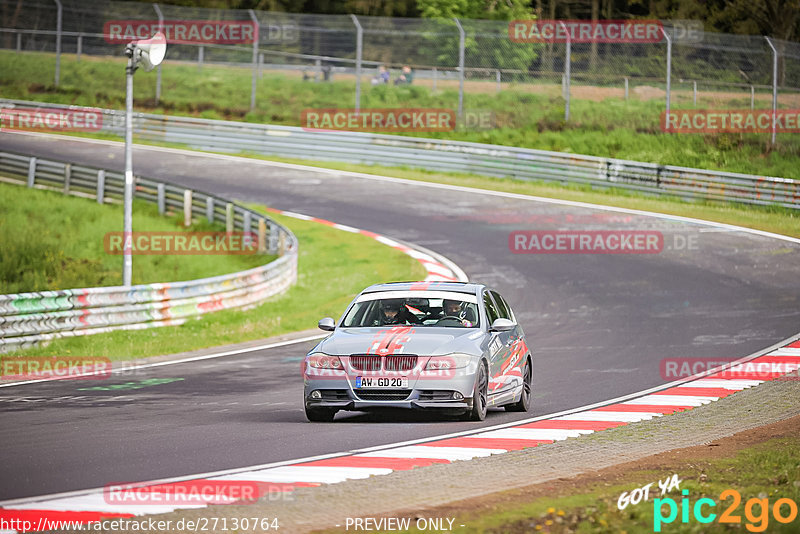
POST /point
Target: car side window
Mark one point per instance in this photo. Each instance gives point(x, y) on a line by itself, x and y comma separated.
point(502, 307)
point(491, 309)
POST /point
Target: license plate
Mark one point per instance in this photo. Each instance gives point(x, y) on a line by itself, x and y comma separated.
point(382, 382)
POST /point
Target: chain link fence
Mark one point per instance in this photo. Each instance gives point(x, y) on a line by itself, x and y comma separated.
point(449, 57)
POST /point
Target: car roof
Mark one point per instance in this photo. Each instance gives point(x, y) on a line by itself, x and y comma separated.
point(457, 287)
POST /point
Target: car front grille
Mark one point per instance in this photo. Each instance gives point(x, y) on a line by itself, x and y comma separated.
point(365, 362)
point(374, 362)
point(399, 363)
point(396, 395)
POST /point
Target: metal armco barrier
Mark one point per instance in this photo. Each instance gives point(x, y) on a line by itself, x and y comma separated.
point(450, 156)
point(30, 318)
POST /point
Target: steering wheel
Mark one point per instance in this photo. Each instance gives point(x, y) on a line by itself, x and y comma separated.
point(449, 318)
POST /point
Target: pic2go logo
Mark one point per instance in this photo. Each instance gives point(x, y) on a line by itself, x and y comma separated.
point(757, 522)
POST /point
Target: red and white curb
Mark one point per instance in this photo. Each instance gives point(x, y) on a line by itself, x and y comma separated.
point(93, 505)
point(439, 268)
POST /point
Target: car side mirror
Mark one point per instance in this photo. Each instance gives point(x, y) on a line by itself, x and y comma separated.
point(327, 324)
point(501, 325)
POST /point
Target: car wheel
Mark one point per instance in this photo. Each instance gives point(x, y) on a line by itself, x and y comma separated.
point(320, 415)
point(479, 396)
point(524, 403)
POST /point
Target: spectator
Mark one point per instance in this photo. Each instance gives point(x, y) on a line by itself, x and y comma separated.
point(382, 76)
point(406, 77)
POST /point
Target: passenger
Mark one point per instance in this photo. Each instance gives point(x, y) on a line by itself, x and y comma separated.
point(394, 311)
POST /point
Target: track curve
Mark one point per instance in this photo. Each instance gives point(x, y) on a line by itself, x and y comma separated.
point(599, 324)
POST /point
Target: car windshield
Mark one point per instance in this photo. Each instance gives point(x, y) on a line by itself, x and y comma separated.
point(450, 311)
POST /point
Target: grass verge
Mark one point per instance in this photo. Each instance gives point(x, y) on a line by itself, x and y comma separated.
point(525, 116)
point(53, 241)
point(333, 266)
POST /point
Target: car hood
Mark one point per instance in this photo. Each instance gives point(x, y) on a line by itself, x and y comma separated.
point(420, 340)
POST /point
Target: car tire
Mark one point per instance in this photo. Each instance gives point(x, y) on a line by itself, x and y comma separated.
point(479, 396)
point(524, 403)
point(320, 415)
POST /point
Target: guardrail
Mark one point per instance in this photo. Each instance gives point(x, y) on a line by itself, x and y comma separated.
point(448, 156)
point(30, 318)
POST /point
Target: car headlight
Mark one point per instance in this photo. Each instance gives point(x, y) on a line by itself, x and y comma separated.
point(450, 361)
point(319, 360)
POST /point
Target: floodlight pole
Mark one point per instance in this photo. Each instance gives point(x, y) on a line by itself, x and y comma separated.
point(127, 224)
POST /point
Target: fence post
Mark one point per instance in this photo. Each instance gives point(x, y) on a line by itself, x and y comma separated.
point(256, 38)
point(31, 172)
point(200, 51)
point(187, 207)
point(210, 209)
point(359, 45)
point(567, 61)
point(694, 94)
point(273, 238)
point(752, 97)
point(67, 177)
point(262, 235)
point(247, 234)
point(158, 70)
point(58, 40)
point(498, 80)
point(669, 66)
point(19, 42)
point(774, 87)
point(229, 217)
point(626, 88)
point(435, 75)
point(80, 47)
point(162, 199)
point(461, 45)
point(101, 186)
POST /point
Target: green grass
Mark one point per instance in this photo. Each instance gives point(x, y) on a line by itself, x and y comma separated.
point(525, 118)
point(334, 265)
point(769, 470)
point(52, 241)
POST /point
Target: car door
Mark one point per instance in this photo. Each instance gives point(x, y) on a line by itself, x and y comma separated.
point(515, 343)
point(498, 348)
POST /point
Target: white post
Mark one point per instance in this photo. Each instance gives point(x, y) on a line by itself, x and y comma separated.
point(774, 87)
point(127, 220)
point(255, 59)
point(669, 65)
point(58, 40)
point(158, 73)
point(694, 94)
point(359, 46)
point(567, 61)
point(626, 88)
point(461, 46)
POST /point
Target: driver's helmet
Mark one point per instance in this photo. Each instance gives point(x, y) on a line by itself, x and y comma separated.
point(391, 305)
point(452, 307)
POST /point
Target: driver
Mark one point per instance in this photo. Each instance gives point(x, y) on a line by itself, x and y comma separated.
point(394, 311)
point(457, 309)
